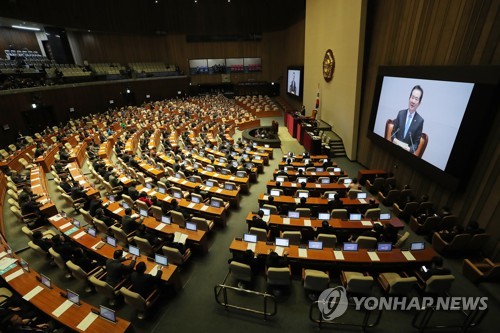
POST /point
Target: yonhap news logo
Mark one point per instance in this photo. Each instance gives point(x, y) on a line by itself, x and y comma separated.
point(333, 303)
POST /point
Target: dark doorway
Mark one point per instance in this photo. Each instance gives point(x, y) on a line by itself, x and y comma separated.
point(38, 119)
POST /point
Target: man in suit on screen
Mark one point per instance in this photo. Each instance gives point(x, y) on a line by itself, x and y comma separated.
point(293, 86)
point(408, 124)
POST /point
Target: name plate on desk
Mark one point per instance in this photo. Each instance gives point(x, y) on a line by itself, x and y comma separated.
point(286, 220)
point(366, 223)
point(408, 255)
point(87, 321)
point(191, 205)
point(251, 246)
point(307, 223)
point(338, 255)
point(373, 256)
point(302, 253)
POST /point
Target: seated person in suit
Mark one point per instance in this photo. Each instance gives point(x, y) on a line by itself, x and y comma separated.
point(274, 260)
point(133, 193)
point(80, 259)
point(16, 178)
point(302, 203)
point(436, 268)
point(129, 224)
point(390, 234)
point(473, 228)
point(448, 234)
point(99, 214)
point(94, 205)
point(169, 241)
point(376, 232)
point(336, 203)
point(258, 222)
point(64, 248)
point(175, 206)
point(325, 228)
point(246, 258)
point(142, 283)
point(65, 184)
point(116, 270)
point(44, 242)
point(143, 232)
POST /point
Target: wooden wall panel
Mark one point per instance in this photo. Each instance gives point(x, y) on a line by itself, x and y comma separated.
point(444, 32)
point(19, 39)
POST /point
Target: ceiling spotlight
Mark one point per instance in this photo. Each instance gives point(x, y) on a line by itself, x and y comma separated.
point(33, 105)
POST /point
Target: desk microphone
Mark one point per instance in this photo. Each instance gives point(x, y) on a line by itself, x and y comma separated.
point(411, 141)
point(393, 134)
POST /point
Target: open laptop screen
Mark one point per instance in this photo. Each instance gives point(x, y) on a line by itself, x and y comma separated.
point(111, 241)
point(315, 245)
point(275, 193)
point(280, 179)
point(385, 216)
point(73, 297)
point(355, 217)
point(301, 180)
point(293, 215)
point(195, 199)
point(325, 180)
point(362, 195)
point(350, 247)
point(133, 250)
point(45, 281)
point(107, 313)
point(191, 226)
point(303, 194)
point(143, 212)
point(384, 247)
point(323, 216)
point(161, 260)
point(250, 238)
point(417, 246)
point(266, 211)
point(215, 203)
point(284, 242)
point(91, 232)
point(165, 219)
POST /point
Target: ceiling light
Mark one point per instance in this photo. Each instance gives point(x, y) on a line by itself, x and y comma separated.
point(25, 28)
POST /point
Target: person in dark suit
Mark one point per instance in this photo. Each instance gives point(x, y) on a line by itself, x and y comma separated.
point(258, 222)
point(293, 86)
point(325, 228)
point(128, 222)
point(94, 205)
point(408, 124)
point(115, 268)
point(336, 203)
point(274, 260)
point(435, 269)
point(80, 259)
point(133, 193)
point(142, 283)
point(44, 243)
point(169, 241)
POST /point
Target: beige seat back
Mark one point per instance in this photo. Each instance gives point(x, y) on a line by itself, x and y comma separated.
point(240, 271)
point(278, 276)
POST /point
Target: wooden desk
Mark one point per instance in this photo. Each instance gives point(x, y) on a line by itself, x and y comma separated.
point(48, 300)
point(79, 236)
point(38, 184)
point(78, 176)
point(12, 161)
point(302, 165)
point(320, 202)
point(303, 222)
point(292, 174)
point(149, 169)
point(202, 210)
point(314, 189)
point(78, 153)
point(299, 158)
point(47, 159)
point(394, 259)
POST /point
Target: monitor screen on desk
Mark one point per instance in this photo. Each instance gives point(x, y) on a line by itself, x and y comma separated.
point(76, 223)
point(111, 241)
point(165, 219)
point(280, 179)
point(283, 242)
point(350, 247)
point(45, 281)
point(362, 195)
point(111, 198)
point(24, 265)
point(162, 189)
point(347, 181)
point(177, 195)
point(384, 247)
point(225, 172)
point(149, 185)
point(323, 216)
point(266, 211)
point(133, 250)
point(293, 215)
point(320, 169)
point(417, 246)
point(161, 260)
point(337, 169)
point(214, 203)
point(235, 164)
point(325, 180)
point(143, 212)
point(177, 175)
point(91, 232)
point(257, 158)
point(209, 168)
point(209, 183)
point(301, 180)
point(249, 238)
point(125, 205)
point(229, 187)
point(73, 297)
point(191, 226)
point(385, 216)
point(245, 156)
point(195, 199)
point(240, 174)
point(275, 193)
point(107, 313)
point(354, 217)
point(303, 194)
point(331, 195)
point(315, 245)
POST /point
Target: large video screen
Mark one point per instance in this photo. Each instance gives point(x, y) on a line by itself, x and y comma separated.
point(435, 118)
point(422, 116)
point(294, 81)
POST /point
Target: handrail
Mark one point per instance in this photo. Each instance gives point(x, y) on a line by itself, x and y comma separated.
point(265, 297)
point(367, 323)
point(423, 317)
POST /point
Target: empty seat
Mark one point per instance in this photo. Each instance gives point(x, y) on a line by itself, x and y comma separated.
point(356, 282)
